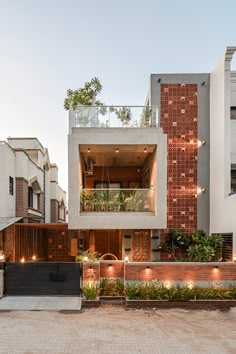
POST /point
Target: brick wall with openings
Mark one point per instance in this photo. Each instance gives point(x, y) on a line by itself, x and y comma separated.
point(59, 246)
point(22, 198)
point(179, 115)
point(111, 269)
point(180, 271)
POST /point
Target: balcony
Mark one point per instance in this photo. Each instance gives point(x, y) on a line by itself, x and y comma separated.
point(113, 117)
point(117, 200)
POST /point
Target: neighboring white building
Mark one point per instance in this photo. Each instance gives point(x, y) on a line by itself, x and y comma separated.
point(29, 183)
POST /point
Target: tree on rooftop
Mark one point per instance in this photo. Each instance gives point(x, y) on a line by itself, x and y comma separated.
point(84, 96)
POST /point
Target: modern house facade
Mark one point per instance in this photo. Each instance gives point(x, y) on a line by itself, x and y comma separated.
point(29, 186)
point(137, 172)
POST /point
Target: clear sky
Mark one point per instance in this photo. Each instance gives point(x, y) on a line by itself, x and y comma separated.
point(48, 46)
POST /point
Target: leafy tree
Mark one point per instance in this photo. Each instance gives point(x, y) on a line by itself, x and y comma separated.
point(175, 243)
point(84, 96)
point(199, 246)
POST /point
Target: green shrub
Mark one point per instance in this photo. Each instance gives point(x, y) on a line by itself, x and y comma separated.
point(90, 291)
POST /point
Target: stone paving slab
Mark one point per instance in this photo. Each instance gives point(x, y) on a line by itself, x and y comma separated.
point(118, 330)
point(41, 303)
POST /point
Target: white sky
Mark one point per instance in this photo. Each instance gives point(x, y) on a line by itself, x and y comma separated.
point(48, 46)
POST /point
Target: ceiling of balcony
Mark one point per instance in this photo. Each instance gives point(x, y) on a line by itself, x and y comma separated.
point(108, 155)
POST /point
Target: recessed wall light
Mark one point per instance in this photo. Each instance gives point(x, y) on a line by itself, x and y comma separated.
point(88, 149)
point(117, 150)
point(145, 150)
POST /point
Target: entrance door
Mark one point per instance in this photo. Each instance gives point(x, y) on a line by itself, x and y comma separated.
point(108, 242)
point(141, 246)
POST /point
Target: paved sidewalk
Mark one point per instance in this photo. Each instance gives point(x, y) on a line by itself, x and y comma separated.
point(116, 330)
point(45, 303)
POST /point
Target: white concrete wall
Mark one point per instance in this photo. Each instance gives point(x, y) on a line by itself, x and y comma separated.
point(233, 122)
point(121, 136)
point(7, 169)
point(233, 141)
point(54, 172)
point(47, 197)
point(25, 143)
point(222, 206)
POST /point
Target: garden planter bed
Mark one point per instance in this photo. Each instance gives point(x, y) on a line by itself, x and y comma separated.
point(117, 300)
point(91, 303)
point(191, 304)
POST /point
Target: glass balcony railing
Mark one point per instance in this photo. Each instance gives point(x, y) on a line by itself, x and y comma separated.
point(114, 117)
point(117, 200)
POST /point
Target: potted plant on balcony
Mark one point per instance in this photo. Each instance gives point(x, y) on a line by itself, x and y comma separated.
point(124, 114)
point(133, 201)
point(146, 116)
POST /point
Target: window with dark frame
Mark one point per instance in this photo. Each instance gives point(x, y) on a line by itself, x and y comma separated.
point(30, 197)
point(233, 179)
point(233, 113)
point(11, 185)
point(38, 201)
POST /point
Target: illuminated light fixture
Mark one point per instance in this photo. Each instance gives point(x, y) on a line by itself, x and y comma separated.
point(216, 267)
point(22, 260)
point(88, 150)
point(234, 258)
point(138, 170)
point(2, 257)
point(147, 267)
point(127, 259)
point(201, 143)
point(151, 186)
point(34, 257)
point(85, 258)
point(145, 150)
point(110, 265)
point(117, 150)
point(201, 190)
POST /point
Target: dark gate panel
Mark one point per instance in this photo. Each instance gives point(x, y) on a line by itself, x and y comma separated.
point(43, 279)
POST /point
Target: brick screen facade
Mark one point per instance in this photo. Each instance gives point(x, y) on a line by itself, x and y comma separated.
point(179, 120)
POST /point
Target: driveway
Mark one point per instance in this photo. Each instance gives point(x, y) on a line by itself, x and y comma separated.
point(113, 329)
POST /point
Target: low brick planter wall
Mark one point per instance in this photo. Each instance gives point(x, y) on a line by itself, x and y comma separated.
point(201, 274)
point(198, 304)
point(91, 303)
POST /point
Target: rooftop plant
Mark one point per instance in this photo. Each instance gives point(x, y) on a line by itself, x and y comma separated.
point(85, 96)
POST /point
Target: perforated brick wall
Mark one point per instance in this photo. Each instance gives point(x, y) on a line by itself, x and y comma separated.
point(179, 120)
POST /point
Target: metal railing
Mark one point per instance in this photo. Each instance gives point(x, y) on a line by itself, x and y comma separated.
point(117, 200)
point(113, 117)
